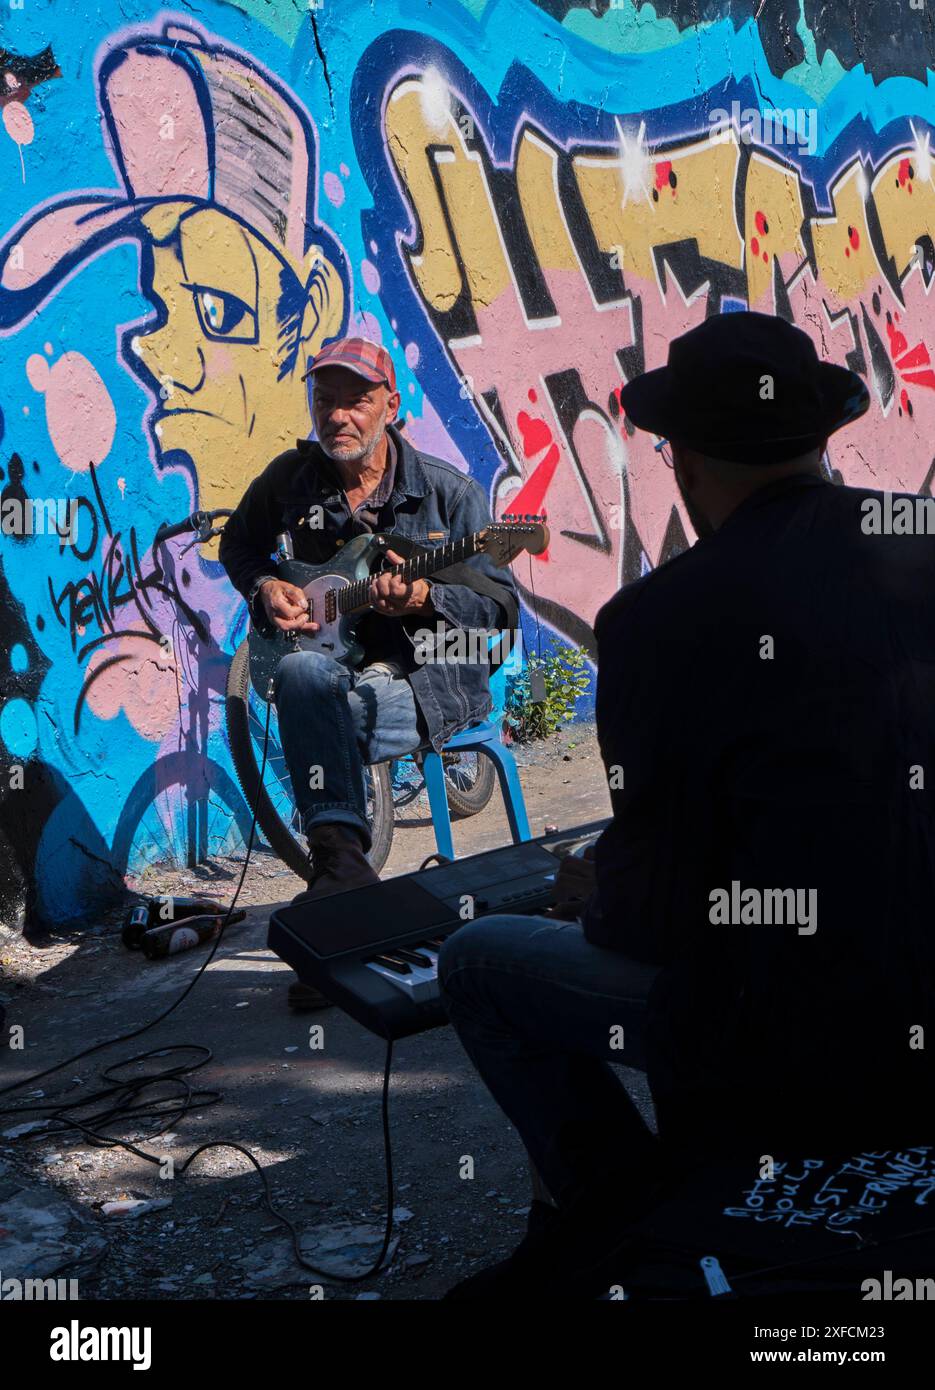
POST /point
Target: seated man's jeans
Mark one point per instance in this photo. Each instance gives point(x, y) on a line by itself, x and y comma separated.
point(541, 1013)
point(333, 721)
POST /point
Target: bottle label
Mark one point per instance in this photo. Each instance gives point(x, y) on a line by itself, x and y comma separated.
point(182, 940)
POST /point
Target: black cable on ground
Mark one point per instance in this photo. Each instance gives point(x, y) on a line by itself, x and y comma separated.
point(441, 858)
point(123, 1099)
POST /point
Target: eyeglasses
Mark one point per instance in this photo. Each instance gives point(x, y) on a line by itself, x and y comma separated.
point(663, 448)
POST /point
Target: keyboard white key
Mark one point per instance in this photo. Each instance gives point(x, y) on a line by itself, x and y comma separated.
point(420, 983)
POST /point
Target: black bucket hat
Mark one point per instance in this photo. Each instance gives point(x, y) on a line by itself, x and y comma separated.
point(745, 387)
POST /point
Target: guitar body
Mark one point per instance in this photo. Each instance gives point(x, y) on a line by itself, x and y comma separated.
point(335, 636)
point(355, 563)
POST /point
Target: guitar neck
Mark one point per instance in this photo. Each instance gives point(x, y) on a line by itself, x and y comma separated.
point(355, 598)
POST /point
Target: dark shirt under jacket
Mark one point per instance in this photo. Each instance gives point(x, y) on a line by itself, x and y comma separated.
point(428, 503)
point(789, 772)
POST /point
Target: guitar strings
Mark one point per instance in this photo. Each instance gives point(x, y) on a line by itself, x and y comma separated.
point(354, 595)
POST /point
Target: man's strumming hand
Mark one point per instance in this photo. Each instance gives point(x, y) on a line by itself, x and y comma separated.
point(286, 606)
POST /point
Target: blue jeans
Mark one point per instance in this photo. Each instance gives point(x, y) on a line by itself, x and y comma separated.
point(539, 1010)
point(334, 721)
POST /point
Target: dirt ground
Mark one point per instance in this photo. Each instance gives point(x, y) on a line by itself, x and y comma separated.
point(309, 1115)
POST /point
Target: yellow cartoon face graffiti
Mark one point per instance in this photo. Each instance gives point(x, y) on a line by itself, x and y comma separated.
point(237, 325)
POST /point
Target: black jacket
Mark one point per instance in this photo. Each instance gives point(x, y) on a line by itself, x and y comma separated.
point(431, 503)
point(789, 770)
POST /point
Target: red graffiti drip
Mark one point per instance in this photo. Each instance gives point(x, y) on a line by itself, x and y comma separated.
point(898, 342)
point(903, 173)
point(855, 238)
point(536, 436)
point(915, 357)
point(755, 246)
point(532, 494)
point(536, 433)
point(913, 364)
point(921, 379)
point(663, 170)
point(531, 394)
point(760, 221)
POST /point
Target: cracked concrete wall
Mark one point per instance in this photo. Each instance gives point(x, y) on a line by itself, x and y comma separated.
point(524, 201)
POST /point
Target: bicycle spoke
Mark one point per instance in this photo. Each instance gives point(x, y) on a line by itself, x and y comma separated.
point(461, 773)
point(276, 780)
point(159, 844)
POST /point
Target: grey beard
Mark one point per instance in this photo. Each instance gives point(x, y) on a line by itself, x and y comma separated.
point(365, 452)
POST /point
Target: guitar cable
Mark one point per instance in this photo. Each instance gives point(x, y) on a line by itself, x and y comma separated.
point(122, 1099)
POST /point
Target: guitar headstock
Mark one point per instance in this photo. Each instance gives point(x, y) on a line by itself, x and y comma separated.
point(505, 539)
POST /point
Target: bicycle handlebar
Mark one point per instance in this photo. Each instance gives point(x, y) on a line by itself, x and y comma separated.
point(198, 521)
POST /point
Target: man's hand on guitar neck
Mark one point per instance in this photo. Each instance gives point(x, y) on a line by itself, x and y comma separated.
point(286, 606)
point(397, 598)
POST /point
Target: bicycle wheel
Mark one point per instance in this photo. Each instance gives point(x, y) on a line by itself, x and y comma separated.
point(276, 812)
point(178, 816)
point(469, 781)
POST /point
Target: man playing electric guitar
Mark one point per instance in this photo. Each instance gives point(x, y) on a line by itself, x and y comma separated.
point(361, 475)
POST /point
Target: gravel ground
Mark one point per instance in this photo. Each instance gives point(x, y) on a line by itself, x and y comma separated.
point(310, 1115)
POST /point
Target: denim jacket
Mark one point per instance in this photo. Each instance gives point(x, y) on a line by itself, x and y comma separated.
point(431, 503)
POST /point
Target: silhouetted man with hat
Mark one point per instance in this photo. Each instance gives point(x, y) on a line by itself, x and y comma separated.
point(761, 934)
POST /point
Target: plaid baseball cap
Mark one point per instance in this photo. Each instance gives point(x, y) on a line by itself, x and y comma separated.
point(360, 355)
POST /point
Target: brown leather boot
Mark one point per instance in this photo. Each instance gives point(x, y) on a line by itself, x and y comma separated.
point(339, 862)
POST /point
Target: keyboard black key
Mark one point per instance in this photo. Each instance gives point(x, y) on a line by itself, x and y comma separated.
point(413, 957)
point(392, 963)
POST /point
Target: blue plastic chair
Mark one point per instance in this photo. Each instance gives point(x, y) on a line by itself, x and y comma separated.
point(481, 738)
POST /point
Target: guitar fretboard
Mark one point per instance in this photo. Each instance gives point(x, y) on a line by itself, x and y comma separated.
point(356, 596)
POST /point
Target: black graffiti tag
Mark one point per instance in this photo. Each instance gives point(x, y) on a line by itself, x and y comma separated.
point(88, 607)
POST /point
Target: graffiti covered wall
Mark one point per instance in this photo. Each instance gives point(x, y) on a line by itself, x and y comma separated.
point(525, 201)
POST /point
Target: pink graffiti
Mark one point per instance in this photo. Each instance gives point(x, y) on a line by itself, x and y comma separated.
point(142, 682)
point(428, 433)
point(334, 188)
point(881, 449)
point(578, 478)
point(370, 276)
point(150, 680)
point(80, 414)
point(18, 123)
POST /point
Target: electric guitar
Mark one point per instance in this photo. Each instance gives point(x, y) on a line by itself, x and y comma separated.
point(338, 592)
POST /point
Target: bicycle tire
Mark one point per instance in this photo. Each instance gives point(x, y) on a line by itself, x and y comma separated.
point(465, 801)
point(174, 770)
point(244, 754)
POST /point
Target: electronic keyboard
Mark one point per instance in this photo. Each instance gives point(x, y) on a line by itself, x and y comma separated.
point(374, 951)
